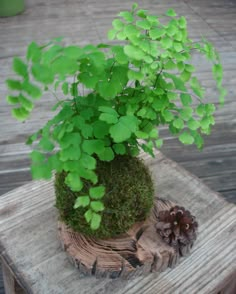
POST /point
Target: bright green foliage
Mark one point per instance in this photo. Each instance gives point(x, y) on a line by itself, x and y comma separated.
point(131, 89)
point(92, 200)
point(123, 129)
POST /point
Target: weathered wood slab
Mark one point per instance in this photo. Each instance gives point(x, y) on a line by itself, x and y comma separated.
point(30, 245)
point(141, 250)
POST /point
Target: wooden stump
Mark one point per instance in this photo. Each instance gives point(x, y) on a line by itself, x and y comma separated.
point(140, 251)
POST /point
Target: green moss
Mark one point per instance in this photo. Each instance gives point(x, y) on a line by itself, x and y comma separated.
point(128, 199)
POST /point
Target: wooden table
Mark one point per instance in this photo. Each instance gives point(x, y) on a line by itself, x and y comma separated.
point(33, 261)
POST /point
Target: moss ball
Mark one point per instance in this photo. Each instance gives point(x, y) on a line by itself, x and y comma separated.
point(128, 198)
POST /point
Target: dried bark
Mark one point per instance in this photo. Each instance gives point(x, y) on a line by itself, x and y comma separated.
point(139, 251)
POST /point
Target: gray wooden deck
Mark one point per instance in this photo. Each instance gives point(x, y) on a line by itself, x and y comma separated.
point(83, 21)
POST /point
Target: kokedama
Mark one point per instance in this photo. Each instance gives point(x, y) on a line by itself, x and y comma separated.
point(115, 97)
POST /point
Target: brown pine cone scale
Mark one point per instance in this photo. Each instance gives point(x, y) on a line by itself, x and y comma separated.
point(177, 227)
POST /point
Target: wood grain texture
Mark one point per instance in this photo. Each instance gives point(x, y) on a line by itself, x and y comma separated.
point(141, 250)
point(11, 284)
point(83, 21)
point(28, 234)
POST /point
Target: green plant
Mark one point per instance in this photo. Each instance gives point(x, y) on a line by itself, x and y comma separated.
point(115, 97)
point(128, 200)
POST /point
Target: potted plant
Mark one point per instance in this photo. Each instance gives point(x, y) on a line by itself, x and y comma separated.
point(115, 98)
point(11, 7)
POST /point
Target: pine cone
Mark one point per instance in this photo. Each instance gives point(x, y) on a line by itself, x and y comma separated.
point(177, 227)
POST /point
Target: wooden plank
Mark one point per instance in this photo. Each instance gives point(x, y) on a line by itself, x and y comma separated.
point(204, 168)
point(74, 19)
point(1, 281)
point(29, 237)
point(11, 285)
point(230, 195)
point(225, 183)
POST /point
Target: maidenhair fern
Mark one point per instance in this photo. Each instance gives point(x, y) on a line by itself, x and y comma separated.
point(131, 88)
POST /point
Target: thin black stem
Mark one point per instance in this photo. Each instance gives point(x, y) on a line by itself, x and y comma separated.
point(191, 94)
point(74, 97)
point(155, 84)
point(54, 94)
